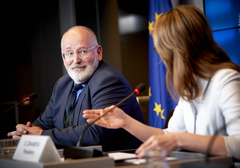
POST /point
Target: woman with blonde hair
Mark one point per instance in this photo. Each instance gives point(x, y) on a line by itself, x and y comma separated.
point(204, 78)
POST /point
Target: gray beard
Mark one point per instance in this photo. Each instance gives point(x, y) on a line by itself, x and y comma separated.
point(83, 75)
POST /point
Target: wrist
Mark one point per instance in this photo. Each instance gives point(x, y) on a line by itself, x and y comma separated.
point(126, 122)
point(38, 131)
point(180, 139)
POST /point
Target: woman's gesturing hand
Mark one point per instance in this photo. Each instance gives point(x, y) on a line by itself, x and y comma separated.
point(114, 119)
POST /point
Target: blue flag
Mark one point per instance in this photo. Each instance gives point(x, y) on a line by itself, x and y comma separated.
point(160, 100)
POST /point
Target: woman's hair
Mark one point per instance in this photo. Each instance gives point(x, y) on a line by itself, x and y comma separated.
point(183, 39)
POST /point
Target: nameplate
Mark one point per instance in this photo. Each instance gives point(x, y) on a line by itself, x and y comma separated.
point(36, 148)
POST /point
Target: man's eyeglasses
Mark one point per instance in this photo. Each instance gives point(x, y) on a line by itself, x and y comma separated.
point(81, 53)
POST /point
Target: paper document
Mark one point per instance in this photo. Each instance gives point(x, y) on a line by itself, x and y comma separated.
point(122, 156)
point(140, 161)
point(132, 158)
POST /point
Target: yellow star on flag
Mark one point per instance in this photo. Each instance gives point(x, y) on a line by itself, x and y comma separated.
point(157, 16)
point(150, 26)
point(149, 91)
point(158, 110)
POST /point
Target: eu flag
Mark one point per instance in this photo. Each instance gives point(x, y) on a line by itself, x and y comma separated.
point(160, 100)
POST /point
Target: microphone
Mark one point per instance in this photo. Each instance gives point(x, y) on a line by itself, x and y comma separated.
point(30, 97)
point(80, 152)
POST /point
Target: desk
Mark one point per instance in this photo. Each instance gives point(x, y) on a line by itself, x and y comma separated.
point(183, 157)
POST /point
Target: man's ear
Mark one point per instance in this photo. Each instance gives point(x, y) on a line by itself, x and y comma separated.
point(99, 51)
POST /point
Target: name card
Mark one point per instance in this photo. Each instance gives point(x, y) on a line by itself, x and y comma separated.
point(36, 148)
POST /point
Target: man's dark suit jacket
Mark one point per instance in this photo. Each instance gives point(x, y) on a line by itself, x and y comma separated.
point(106, 87)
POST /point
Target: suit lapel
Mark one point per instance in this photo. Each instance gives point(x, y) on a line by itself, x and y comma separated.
point(62, 109)
point(78, 109)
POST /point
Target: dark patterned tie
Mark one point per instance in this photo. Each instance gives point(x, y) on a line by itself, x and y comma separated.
point(71, 99)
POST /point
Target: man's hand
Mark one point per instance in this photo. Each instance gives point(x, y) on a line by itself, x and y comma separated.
point(22, 129)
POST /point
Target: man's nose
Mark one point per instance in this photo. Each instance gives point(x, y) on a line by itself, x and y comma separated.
point(76, 58)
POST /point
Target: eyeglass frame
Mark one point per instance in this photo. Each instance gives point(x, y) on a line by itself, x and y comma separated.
point(87, 50)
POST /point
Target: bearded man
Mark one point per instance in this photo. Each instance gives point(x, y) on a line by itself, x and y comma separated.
point(90, 84)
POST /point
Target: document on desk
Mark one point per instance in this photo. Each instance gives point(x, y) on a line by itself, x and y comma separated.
point(122, 156)
point(132, 158)
point(140, 161)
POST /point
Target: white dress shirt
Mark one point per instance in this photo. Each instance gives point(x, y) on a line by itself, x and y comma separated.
point(218, 105)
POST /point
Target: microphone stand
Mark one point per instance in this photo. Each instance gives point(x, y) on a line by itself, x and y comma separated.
point(13, 106)
point(30, 97)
